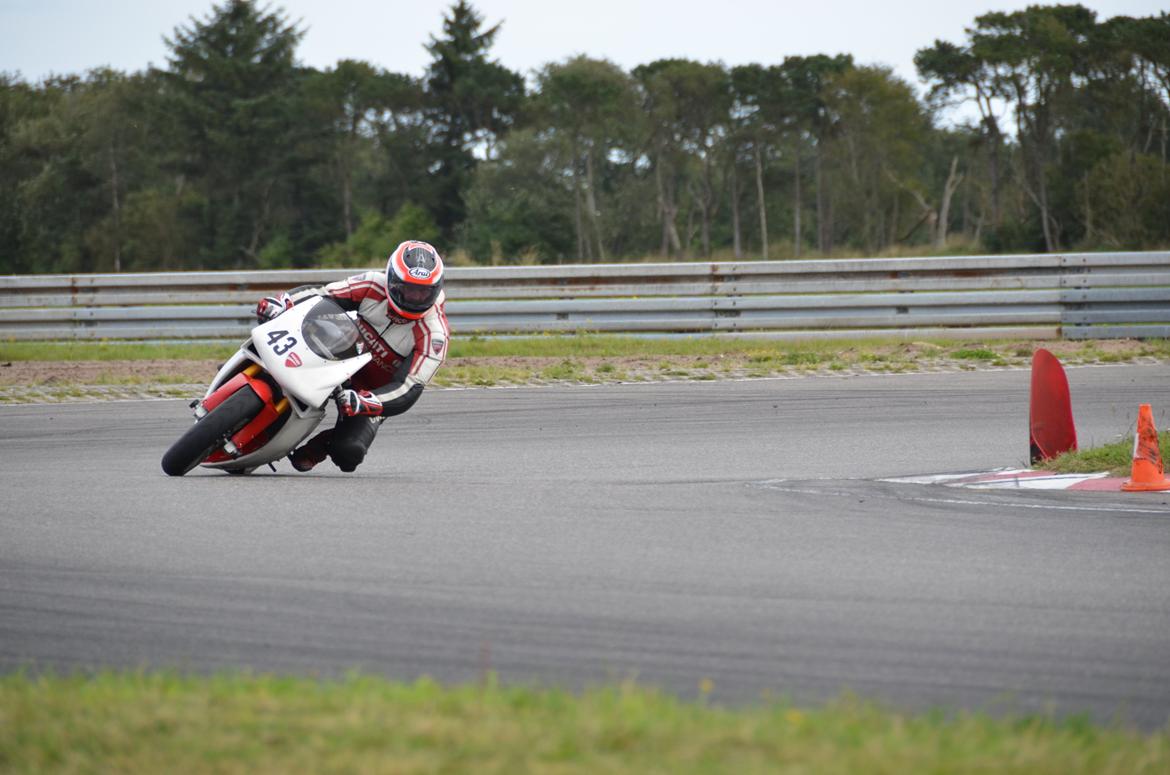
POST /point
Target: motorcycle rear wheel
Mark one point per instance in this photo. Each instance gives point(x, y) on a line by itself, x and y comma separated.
point(202, 438)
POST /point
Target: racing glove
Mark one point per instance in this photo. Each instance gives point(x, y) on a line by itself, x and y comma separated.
point(358, 402)
point(271, 306)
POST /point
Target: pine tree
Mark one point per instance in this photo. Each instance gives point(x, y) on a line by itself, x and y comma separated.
point(231, 89)
point(473, 100)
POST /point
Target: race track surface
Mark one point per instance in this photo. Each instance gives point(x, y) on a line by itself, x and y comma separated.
point(668, 533)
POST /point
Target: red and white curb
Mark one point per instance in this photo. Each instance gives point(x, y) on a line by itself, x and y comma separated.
point(1018, 479)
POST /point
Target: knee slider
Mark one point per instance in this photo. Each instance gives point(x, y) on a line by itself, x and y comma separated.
point(347, 454)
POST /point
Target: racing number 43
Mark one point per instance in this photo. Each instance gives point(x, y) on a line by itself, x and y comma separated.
point(281, 347)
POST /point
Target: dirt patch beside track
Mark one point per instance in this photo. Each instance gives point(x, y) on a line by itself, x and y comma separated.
point(51, 381)
point(44, 373)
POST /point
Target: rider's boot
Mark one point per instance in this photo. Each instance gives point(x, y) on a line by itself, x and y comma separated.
point(312, 453)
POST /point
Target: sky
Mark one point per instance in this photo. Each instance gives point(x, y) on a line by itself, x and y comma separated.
point(43, 37)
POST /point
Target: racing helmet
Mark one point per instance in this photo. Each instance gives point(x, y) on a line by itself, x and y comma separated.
point(414, 279)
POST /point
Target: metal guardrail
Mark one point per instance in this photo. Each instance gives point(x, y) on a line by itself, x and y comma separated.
point(1078, 296)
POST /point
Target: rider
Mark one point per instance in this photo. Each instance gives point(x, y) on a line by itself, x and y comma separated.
point(401, 320)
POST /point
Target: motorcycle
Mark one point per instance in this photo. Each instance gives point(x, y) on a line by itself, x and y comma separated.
point(269, 396)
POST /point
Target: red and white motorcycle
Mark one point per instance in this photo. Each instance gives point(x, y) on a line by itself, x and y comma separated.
point(272, 393)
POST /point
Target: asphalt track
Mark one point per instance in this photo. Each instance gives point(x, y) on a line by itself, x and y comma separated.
point(668, 533)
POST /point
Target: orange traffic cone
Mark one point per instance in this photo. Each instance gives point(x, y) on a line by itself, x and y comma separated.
point(1147, 475)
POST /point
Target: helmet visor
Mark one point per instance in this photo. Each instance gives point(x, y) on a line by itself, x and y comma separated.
point(414, 298)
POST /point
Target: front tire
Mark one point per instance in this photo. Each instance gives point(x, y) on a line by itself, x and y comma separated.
point(201, 439)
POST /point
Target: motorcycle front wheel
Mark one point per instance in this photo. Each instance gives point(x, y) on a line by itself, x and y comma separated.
point(202, 438)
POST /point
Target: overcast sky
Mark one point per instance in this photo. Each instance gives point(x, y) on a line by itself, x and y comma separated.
point(41, 37)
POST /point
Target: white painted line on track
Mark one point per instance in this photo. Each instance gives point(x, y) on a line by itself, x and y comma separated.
point(777, 485)
point(1003, 479)
point(1042, 506)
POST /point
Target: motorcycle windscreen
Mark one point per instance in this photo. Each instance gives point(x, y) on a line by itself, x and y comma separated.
point(330, 332)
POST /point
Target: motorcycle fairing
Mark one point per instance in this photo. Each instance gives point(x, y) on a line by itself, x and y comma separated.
point(307, 386)
point(314, 379)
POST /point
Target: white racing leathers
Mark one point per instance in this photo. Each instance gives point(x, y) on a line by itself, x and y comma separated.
point(406, 353)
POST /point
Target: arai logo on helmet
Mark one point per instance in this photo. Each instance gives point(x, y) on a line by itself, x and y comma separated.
point(419, 273)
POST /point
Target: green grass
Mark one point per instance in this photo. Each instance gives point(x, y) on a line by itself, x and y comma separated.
point(107, 378)
point(604, 346)
point(974, 355)
point(590, 358)
point(1116, 458)
point(481, 376)
point(761, 351)
point(113, 351)
point(566, 370)
point(563, 347)
point(133, 722)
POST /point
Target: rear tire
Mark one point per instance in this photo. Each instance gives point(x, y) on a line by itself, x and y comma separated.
point(204, 436)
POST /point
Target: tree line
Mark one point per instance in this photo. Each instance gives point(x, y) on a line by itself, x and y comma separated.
point(235, 155)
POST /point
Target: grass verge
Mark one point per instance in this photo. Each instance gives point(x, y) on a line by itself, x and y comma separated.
point(584, 358)
point(134, 722)
point(113, 351)
point(600, 346)
point(1116, 458)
